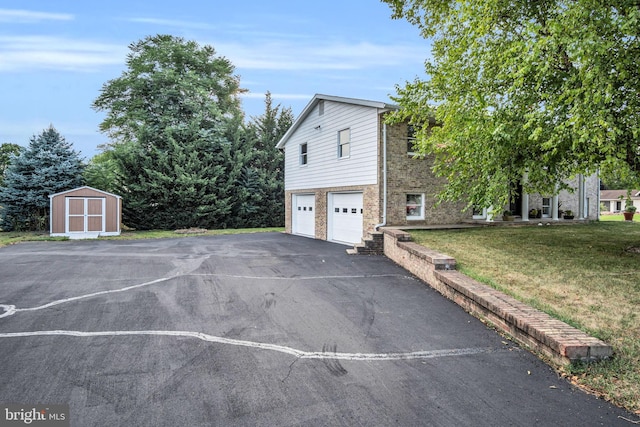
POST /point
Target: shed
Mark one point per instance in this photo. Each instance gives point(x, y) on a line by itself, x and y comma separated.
point(85, 212)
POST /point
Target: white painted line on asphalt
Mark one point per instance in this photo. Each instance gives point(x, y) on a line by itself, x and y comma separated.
point(11, 309)
point(91, 295)
point(316, 355)
point(8, 310)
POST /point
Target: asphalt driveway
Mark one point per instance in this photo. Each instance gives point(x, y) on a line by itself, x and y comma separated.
point(258, 329)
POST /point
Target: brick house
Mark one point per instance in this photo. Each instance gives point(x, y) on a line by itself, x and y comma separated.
point(348, 173)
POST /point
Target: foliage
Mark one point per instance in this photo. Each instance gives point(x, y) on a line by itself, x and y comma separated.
point(172, 115)
point(101, 172)
point(546, 88)
point(7, 152)
point(168, 80)
point(259, 191)
point(49, 165)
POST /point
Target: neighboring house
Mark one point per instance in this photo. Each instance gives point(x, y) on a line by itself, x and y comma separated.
point(348, 173)
point(615, 201)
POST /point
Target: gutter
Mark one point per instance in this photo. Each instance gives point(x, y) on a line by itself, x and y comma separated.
point(384, 178)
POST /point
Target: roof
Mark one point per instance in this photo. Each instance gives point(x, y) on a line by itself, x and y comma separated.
point(618, 194)
point(319, 97)
point(85, 187)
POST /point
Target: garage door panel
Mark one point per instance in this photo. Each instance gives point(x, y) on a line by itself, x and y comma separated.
point(304, 216)
point(346, 217)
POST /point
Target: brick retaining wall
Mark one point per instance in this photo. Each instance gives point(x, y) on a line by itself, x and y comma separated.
point(533, 328)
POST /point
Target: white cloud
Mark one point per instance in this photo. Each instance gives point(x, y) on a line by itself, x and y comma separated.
point(285, 55)
point(173, 23)
point(17, 16)
point(276, 96)
point(42, 52)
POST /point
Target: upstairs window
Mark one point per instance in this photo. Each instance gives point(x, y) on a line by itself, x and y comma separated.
point(344, 141)
point(303, 154)
point(411, 140)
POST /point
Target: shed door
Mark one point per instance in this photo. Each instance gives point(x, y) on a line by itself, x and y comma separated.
point(85, 214)
point(303, 217)
point(345, 217)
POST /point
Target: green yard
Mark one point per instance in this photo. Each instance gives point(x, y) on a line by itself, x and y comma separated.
point(586, 275)
point(9, 238)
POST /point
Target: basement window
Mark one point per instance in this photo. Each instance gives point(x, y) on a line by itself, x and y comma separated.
point(415, 206)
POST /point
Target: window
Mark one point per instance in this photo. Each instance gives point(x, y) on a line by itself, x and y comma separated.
point(344, 140)
point(321, 107)
point(546, 207)
point(415, 206)
point(411, 139)
point(303, 154)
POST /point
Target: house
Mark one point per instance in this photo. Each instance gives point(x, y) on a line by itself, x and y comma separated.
point(348, 173)
point(615, 201)
point(85, 212)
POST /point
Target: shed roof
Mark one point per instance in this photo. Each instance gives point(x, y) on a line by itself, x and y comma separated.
point(320, 97)
point(83, 188)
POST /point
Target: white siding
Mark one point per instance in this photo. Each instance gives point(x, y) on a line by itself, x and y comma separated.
point(324, 168)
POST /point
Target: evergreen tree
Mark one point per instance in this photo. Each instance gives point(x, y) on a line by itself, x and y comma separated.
point(7, 152)
point(259, 196)
point(171, 115)
point(48, 166)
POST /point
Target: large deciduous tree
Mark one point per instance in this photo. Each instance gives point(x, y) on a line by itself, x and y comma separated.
point(544, 89)
point(171, 116)
point(47, 166)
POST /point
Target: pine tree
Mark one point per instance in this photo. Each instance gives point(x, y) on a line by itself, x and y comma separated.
point(259, 200)
point(49, 165)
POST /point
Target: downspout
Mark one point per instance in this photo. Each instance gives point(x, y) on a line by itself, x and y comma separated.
point(384, 178)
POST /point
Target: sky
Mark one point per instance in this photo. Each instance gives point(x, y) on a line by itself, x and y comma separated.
point(55, 56)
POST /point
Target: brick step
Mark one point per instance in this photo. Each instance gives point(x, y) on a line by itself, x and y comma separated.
point(373, 244)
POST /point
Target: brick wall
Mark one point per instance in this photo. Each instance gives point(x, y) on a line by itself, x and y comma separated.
point(406, 175)
point(560, 342)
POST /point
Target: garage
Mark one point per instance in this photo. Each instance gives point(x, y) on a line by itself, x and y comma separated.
point(345, 217)
point(304, 216)
point(85, 212)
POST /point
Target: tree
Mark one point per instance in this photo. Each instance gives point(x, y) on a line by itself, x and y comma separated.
point(101, 172)
point(544, 89)
point(259, 197)
point(167, 81)
point(7, 152)
point(49, 165)
point(170, 115)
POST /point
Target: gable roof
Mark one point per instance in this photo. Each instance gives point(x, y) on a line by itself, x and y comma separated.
point(84, 187)
point(618, 194)
point(319, 97)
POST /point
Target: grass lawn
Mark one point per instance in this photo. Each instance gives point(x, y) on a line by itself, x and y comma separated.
point(8, 238)
point(587, 275)
point(619, 217)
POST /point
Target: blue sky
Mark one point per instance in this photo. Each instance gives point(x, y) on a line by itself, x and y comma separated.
point(56, 55)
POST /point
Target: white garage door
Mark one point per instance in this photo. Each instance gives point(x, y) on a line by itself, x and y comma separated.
point(303, 217)
point(345, 217)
